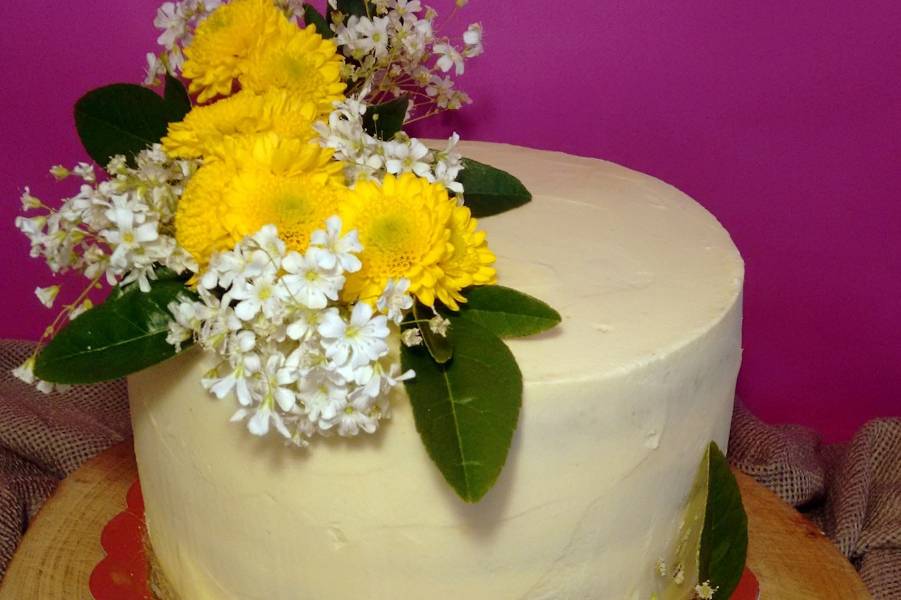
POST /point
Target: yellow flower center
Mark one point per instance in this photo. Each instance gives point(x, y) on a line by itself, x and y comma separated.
point(390, 233)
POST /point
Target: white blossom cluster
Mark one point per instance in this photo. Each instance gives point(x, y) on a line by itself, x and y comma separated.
point(296, 359)
point(396, 50)
point(120, 229)
point(367, 157)
point(177, 22)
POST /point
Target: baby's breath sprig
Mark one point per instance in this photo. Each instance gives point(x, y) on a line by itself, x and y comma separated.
point(395, 50)
point(117, 230)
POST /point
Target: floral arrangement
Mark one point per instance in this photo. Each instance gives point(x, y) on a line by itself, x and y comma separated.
point(275, 213)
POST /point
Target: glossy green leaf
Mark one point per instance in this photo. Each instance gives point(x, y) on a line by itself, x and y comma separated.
point(311, 16)
point(177, 100)
point(386, 119)
point(124, 118)
point(466, 410)
point(489, 191)
point(123, 335)
point(712, 541)
point(506, 312)
point(440, 347)
point(724, 543)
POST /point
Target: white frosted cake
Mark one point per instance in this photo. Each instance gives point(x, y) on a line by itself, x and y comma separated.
point(619, 404)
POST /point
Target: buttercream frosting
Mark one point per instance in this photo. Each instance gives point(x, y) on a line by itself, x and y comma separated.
point(619, 404)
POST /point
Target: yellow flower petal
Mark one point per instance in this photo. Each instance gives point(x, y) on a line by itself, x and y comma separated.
point(403, 227)
point(302, 62)
point(245, 113)
point(224, 40)
point(252, 181)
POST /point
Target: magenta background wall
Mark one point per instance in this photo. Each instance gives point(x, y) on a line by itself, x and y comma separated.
point(782, 118)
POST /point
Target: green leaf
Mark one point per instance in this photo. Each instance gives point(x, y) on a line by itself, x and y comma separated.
point(466, 410)
point(351, 7)
point(713, 539)
point(506, 312)
point(176, 98)
point(724, 543)
point(488, 191)
point(123, 335)
point(311, 16)
point(124, 119)
point(440, 347)
point(386, 119)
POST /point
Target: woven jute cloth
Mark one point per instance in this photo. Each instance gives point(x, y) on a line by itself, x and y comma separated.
point(44, 437)
point(852, 491)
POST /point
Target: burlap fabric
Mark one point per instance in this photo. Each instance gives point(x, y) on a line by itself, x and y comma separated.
point(853, 491)
point(43, 438)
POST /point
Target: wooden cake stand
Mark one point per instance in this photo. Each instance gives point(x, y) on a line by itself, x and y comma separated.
point(790, 557)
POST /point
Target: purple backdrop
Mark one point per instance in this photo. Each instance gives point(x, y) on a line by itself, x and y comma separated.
point(781, 118)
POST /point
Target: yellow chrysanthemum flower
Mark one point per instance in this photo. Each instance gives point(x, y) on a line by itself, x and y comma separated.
point(245, 113)
point(403, 227)
point(198, 226)
point(471, 261)
point(254, 181)
point(302, 62)
point(223, 41)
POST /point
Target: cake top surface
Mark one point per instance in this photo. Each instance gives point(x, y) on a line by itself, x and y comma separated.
point(636, 268)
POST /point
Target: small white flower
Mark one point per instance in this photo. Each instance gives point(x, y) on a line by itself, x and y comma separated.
point(439, 325)
point(126, 237)
point(47, 295)
point(331, 249)
point(154, 70)
point(407, 157)
point(308, 283)
point(472, 37)
point(261, 294)
point(85, 171)
point(360, 340)
point(321, 398)
point(25, 371)
point(261, 418)
point(705, 591)
point(351, 421)
point(303, 324)
point(372, 35)
point(171, 19)
point(279, 375)
point(375, 381)
point(448, 58)
point(267, 239)
point(395, 299)
point(29, 202)
point(411, 337)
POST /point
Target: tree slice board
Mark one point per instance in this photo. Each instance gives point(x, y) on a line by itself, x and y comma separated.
point(791, 558)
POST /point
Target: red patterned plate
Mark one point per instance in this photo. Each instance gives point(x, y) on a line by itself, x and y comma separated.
point(122, 575)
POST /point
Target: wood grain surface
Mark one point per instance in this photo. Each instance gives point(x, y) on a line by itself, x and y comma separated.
point(789, 555)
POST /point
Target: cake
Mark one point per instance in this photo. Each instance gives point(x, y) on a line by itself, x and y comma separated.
point(619, 404)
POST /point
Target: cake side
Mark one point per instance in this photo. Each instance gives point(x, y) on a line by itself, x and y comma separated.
point(617, 409)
